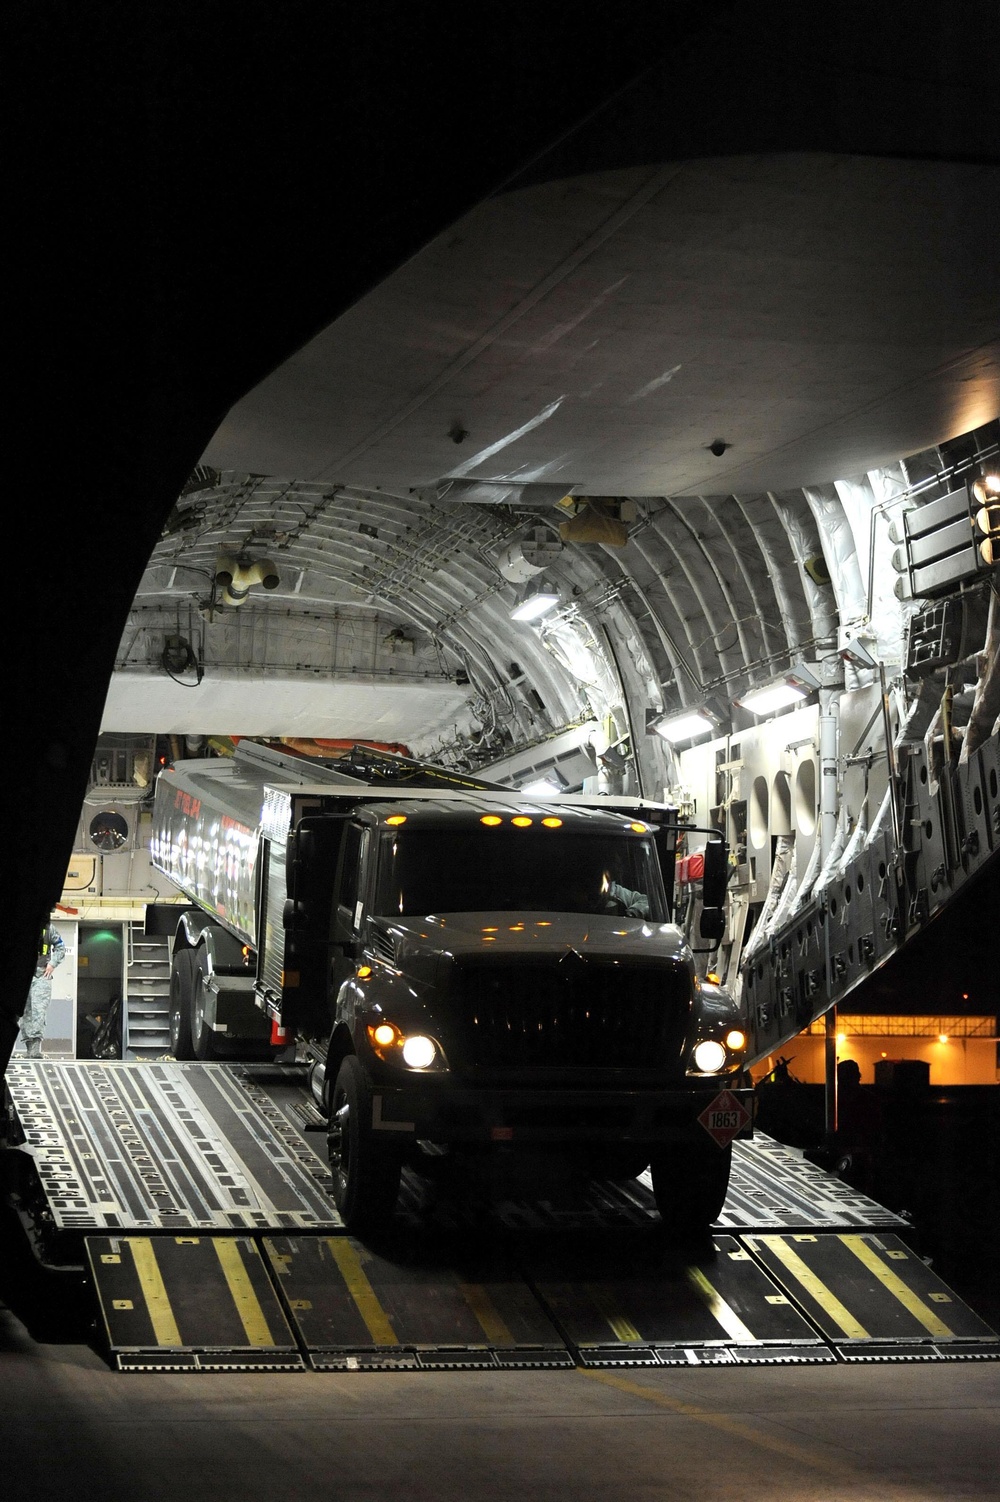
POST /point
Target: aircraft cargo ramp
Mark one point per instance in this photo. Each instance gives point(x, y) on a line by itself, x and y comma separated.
point(192, 1200)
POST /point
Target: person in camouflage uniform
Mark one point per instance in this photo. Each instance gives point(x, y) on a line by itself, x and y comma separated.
point(51, 952)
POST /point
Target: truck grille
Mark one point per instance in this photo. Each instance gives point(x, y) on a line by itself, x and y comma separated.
point(588, 1016)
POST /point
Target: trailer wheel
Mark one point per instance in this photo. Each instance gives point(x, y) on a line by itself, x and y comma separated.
point(202, 1036)
point(690, 1182)
point(365, 1172)
point(181, 994)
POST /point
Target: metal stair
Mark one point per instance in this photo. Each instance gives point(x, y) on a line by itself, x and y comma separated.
point(147, 1000)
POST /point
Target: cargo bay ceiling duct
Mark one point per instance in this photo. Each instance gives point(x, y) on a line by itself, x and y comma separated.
point(237, 576)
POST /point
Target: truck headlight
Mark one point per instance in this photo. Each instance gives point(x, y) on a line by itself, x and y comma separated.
point(736, 1040)
point(709, 1056)
point(418, 1051)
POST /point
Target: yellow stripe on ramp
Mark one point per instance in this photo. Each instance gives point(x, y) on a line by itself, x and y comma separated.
point(805, 1276)
point(916, 1306)
point(717, 1307)
point(361, 1291)
point(248, 1308)
point(482, 1306)
point(154, 1292)
point(608, 1309)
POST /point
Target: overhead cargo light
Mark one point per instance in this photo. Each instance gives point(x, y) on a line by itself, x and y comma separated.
point(793, 688)
point(853, 650)
point(690, 725)
point(541, 786)
point(774, 696)
point(534, 601)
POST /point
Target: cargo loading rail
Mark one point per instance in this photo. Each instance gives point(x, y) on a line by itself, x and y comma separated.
point(194, 1198)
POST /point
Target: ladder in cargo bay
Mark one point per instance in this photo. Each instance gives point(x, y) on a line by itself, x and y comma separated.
point(146, 1030)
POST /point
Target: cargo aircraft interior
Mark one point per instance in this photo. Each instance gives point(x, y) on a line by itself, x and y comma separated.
point(512, 797)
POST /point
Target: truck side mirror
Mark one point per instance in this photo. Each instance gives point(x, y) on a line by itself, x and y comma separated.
point(715, 877)
point(712, 923)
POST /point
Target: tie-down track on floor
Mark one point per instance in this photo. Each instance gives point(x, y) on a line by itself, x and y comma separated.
point(199, 1209)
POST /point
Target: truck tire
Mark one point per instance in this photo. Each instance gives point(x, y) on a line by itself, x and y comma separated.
point(365, 1172)
point(202, 1036)
point(690, 1182)
point(181, 995)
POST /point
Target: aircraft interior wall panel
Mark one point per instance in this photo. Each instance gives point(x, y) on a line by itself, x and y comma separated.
point(989, 765)
point(978, 785)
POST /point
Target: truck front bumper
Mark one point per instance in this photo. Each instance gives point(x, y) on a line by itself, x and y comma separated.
point(552, 1117)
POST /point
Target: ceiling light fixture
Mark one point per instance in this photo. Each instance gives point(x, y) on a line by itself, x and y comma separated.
point(792, 688)
point(541, 787)
point(688, 725)
point(534, 601)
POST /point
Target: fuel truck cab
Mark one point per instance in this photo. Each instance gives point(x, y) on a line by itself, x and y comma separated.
point(478, 977)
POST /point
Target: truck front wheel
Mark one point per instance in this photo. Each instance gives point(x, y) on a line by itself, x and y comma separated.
point(365, 1172)
point(690, 1182)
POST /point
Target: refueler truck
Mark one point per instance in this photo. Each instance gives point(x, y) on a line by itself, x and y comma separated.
point(473, 973)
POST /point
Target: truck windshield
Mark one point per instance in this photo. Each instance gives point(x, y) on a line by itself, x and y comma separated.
point(425, 871)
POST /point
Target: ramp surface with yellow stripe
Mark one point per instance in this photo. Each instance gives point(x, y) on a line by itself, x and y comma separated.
point(872, 1298)
point(189, 1302)
point(331, 1303)
point(355, 1308)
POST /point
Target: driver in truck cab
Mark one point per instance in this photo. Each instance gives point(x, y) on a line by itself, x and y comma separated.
point(634, 904)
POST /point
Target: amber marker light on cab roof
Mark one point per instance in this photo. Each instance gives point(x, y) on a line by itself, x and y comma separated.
point(492, 820)
point(638, 828)
point(396, 819)
point(552, 823)
point(521, 821)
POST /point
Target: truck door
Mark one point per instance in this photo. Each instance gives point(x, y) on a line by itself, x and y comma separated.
point(351, 896)
point(316, 931)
